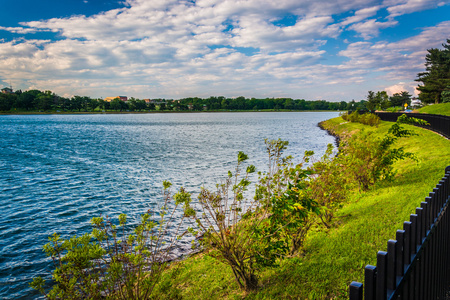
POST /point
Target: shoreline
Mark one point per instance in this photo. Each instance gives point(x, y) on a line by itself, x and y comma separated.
point(154, 112)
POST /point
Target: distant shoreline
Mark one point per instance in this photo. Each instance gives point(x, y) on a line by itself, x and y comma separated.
point(151, 112)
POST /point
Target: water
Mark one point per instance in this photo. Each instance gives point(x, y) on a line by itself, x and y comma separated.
point(59, 171)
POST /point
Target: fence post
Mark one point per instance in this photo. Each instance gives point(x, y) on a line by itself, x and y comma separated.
point(370, 279)
point(413, 220)
point(356, 291)
point(407, 243)
point(391, 279)
point(400, 252)
point(382, 261)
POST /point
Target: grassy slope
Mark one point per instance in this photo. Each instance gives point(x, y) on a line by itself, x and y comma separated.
point(333, 258)
point(437, 109)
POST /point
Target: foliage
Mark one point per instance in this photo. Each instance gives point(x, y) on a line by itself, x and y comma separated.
point(446, 95)
point(227, 224)
point(366, 119)
point(28, 101)
point(110, 263)
point(436, 78)
point(380, 100)
point(369, 159)
point(284, 192)
point(328, 185)
point(399, 99)
point(248, 234)
point(394, 109)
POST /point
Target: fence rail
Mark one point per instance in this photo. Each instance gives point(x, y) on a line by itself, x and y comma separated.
point(438, 123)
point(416, 265)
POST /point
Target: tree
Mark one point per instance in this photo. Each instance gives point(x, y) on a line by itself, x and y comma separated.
point(140, 105)
point(27, 99)
point(115, 104)
point(383, 100)
point(446, 95)
point(6, 102)
point(437, 75)
point(343, 105)
point(372, 101)
point(101, 103)
point(399, 99)
point(93, 103)
point(76, 103)
point(45, 100)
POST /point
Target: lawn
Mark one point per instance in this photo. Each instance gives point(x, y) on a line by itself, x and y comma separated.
point(437, 109)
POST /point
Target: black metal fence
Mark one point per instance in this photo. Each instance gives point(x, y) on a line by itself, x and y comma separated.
point(438, 123)
point(417, 265)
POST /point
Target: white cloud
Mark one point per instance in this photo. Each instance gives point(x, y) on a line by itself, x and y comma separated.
point(398, 8)
point(361, 15)
point(169, 48)
point(371, 28)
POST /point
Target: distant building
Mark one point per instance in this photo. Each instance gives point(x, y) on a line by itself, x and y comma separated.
point(416, 102)
point(7, 90)
point(121, 98)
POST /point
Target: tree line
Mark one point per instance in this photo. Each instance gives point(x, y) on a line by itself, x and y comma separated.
point(36, 100)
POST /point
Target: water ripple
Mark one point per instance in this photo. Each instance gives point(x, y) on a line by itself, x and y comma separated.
point(59, 171)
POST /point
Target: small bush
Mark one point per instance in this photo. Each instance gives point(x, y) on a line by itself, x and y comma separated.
point(109, 262)
point(369, 119)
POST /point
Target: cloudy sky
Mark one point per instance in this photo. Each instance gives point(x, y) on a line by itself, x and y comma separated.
point(311, 49)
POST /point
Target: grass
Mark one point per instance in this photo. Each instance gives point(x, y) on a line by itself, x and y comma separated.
point(437, 109)
point(332, 258)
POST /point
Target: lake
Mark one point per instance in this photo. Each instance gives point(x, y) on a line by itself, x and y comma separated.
point(59, 171)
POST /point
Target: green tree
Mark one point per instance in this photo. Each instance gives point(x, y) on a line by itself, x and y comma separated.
point(399, 99)
point(76, 103)
point(383, 100)
point(437, 75)
point(115, 104)
point(446, 95)
point(27, 99)
point(372, 101)
point(45, 100)
point(93, 104)
point(6, 102)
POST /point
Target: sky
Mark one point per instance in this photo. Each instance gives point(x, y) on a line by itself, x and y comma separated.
point(302, 49)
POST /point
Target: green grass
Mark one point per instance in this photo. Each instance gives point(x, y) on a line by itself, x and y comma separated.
point(334, 257)
point(436, 109)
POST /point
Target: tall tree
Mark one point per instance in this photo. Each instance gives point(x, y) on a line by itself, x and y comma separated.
point(372, 101)
point(383, 100)
point(399, 99)
point(437, 75)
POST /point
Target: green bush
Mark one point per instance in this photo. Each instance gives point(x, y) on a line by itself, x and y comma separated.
point(366, 119)
point(368, 159)
point(110, 263)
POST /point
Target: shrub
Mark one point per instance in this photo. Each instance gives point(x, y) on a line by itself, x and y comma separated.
point(248, 234)
point(328, 185)
point(369, 119)
point(283, 191)
point(366, 119)
point(353, 117)
point(108, 262)
point(368, 159)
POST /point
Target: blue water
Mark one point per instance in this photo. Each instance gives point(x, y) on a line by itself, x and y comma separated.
point(59, 171)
